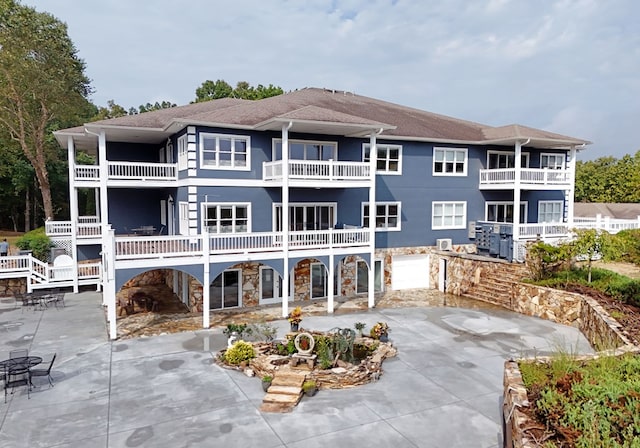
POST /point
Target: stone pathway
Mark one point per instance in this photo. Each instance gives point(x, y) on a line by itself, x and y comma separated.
point(285, 391)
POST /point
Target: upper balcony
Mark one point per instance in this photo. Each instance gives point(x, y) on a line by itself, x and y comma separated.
point(88, 227)
point(318, 172)
point(530, 179)
point(128, 173)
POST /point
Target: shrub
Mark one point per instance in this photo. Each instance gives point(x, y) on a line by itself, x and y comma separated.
point(263, 331)
point(239, 352)
point(309, 385)
point(624, 289)
point(37, 242)
point(267, 379)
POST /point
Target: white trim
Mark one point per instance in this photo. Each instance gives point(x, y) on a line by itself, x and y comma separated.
point(387, 148)
point(462, 225)
point(525, 155)
point(216, 162)
point(219, 205)
point(183, 152)
point(396, 228)
point(275, 141)
point(445, 150)
point(559, 203)
point(183, 218)
point(555, 155)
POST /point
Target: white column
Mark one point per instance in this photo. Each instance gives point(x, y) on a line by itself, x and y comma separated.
point(206, 280)
point(330, 298)
point(516, 198)
point(73, 209)
point(285, 217)
point(109, 290)
point(104, 208)
point(572, 188)
point(373, 156)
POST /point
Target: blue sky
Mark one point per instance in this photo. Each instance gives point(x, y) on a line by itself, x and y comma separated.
point(568, 66)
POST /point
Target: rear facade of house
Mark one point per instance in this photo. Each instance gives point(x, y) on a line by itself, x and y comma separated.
point(311, 195)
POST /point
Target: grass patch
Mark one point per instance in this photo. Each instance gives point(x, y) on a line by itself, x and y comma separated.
point(593, 403)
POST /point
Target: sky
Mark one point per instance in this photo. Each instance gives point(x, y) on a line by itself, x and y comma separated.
point(567, 66)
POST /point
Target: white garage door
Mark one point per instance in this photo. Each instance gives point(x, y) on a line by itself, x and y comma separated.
point(410, 271)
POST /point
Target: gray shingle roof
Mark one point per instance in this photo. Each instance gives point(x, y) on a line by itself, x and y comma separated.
point(613, 210)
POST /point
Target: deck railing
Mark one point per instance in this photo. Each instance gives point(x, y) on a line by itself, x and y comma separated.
point(544, 230)
point(85, 229)
point(611, 225)
point(528, 176)
point(139, 247)
point(329, 170)
point(129, 171)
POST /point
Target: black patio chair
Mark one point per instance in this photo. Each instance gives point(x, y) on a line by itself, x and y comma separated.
point(17, 377)
point(20, 353)
point(24, 301)
point(44, 371)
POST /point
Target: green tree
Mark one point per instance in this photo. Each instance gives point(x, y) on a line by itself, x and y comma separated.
point(210, 90)
point(42, 85)
point(608, 179)
point(592, 244)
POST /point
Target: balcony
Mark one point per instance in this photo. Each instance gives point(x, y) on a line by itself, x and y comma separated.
point(126, 172)
point(530, 179)
point(240, 245)
point(303, 172)
point(87, 227)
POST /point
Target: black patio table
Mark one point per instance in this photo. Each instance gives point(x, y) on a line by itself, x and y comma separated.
point(22, 362)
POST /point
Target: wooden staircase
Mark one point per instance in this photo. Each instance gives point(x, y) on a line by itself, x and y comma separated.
point(285, 391)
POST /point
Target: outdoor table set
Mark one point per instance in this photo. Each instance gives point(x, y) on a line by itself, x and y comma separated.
point(19, 370)
point(41, 300)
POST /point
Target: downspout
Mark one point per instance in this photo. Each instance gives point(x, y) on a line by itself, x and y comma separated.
point(373, 156)
point(285, 217)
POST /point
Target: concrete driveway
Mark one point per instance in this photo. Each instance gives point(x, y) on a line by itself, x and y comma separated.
point(442, 390)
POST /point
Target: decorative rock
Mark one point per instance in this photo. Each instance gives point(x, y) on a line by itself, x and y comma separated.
point(249, 372)
point(339, 370)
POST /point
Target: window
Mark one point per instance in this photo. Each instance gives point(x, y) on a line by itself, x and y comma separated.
point(552, 161)
point(503, 212)
point(222, 151)
point(388, 160)
point(449, 162)
point(307, 217)
point(448, 215)
point(307, 150)
point(183, 211)
point(362, 277)
point(318, 281)
point(387, 215)
point(225, 290)
point(503, 159)
point(550, 211)
point(183, 157)
point(226, 218)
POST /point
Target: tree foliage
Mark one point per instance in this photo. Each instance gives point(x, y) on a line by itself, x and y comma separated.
point(592, 244)
point(42, 86)
point(213, 90)
point(114, 110)
point(608, 179)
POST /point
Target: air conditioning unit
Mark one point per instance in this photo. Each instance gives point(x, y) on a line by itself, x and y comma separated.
point(444, 244)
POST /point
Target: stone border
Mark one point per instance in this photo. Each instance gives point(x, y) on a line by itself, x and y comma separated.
point(603, 333)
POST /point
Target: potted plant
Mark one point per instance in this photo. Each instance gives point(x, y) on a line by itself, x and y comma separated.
point(359, 326)
point(309, 388)
point(295, 317)
point(380, 331)
point(266, 382)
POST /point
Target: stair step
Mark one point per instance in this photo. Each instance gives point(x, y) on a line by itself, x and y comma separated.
point(275, 407)
point(282, 398)
point(284, 390)
point(291, 382)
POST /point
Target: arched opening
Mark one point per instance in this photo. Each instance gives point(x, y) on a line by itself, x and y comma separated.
point(164, 291)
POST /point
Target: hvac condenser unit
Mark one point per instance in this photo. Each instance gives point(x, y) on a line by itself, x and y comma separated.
point(444, 244)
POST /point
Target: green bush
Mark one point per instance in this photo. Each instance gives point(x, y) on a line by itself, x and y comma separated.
point(624, 289)
point(37, 242)
point(239, 352)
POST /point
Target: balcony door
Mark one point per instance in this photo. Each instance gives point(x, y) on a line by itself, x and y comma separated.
point(225, 290)
point(504, 159)
point(307, 217)
point(270, 286)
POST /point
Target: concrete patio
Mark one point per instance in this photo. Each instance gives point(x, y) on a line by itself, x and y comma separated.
point(442, 390)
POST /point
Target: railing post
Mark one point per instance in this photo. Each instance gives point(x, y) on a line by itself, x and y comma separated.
point(607, 223)
point(206, 299)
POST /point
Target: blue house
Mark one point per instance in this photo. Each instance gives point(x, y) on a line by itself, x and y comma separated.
point(311, 195)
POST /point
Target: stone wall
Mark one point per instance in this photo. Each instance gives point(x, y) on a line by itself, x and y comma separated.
point(551, 304)
point(602, 330)
point(11, 286)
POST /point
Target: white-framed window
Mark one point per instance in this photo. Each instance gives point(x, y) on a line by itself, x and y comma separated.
point(388, 160)
point(183, 157)
point(225, 152)
point(552, 161)
point(306, 150)
point(306, 216)
point(226, 217)
point(550, 211)
point(318, 281)
point(362, 277)
point(502, 211)
point(506, 159)
point(449, 161)
point(387, 215)
point(183, 212)
point(448, 215)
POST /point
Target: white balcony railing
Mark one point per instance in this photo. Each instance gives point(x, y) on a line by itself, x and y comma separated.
point(544, 230)
point(611, 225)
point(329, 170)
point(88, 227)
point(129, 171)
point(143, 247)
point(528, 176)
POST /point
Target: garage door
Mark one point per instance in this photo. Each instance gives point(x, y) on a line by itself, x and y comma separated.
point(410, 271)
